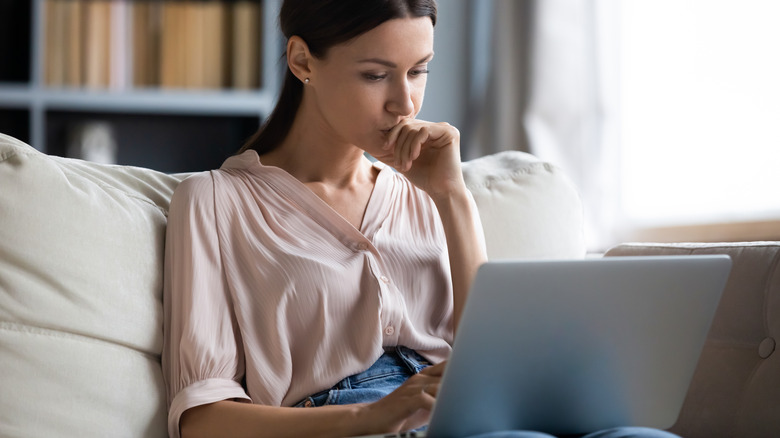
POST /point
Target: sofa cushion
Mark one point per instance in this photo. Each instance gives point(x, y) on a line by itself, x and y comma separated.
point(529, 208)
point(81, 249)
point(734, 392)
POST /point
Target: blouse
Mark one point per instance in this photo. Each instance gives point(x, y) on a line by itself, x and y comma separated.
point(270, 295)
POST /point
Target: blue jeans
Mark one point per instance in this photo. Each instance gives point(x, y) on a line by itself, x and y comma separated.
point(385, 375)
point(397, 365)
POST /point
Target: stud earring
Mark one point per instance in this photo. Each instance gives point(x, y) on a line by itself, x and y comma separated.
point(306, 81)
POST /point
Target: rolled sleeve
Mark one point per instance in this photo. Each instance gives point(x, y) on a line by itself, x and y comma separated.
point(201, 393)
point(203, 359)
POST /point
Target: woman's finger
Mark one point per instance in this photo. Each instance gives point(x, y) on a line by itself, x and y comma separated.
point(434, 370)
point(417, 142)
point(433, 390)
point(402, 145)
point(392, 136)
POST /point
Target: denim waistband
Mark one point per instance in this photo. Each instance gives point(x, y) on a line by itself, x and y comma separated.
point(389, 371)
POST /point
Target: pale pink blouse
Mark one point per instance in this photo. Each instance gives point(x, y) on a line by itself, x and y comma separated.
point(271, 295)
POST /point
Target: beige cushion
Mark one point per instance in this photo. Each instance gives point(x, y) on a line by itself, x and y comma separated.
point(81, 253)
point(80, 296)
point(735, 391)
point(529, 208)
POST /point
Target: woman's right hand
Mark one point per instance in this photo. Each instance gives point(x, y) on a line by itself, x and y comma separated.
point(406, 408)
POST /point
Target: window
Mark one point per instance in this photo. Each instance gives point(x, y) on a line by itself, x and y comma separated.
point(700, 111)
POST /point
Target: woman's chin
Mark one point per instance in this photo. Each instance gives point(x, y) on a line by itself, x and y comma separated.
point(381, 155)
point(377, 151)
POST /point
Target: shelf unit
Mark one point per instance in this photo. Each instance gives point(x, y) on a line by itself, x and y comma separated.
point(154, 127)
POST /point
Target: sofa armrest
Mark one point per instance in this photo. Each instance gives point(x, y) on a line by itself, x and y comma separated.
point(734, 391)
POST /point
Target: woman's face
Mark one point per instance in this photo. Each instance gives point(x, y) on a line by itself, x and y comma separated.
point(364, 87)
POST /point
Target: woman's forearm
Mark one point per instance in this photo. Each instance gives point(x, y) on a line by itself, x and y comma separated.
point(234, 419)
point(464, 245)
point(407, 407)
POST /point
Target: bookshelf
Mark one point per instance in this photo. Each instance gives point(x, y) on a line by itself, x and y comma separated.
point(172, 96)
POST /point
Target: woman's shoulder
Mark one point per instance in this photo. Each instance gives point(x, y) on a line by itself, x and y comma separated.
point(196, 189)
point(197, 184)
point(205, 183)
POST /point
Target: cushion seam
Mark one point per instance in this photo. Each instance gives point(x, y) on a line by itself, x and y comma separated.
point(492, 179)
point(70, 173)
point(34, 330)
point(14, 152)
point(35, 154)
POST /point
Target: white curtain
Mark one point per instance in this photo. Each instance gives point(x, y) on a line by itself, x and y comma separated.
point(551, 90)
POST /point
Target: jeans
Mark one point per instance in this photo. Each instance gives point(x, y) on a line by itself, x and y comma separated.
point(387, 373)
point(400, 363)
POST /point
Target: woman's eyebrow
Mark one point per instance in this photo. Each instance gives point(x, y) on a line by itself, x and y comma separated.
point(392, 64)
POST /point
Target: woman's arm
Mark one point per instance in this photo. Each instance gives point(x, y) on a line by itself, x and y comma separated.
point(405, 408)
point(465, 248)
point(428, 154)
point(235, 419)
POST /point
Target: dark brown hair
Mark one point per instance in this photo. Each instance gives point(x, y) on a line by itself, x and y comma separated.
point(323, 24)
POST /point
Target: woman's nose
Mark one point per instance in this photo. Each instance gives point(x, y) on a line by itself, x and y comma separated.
point(400, 101)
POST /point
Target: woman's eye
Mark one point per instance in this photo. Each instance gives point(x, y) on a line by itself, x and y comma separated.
point(419, 72)
point(373, 77)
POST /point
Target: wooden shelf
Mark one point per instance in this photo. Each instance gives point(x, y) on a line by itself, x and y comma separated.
point(202, 102)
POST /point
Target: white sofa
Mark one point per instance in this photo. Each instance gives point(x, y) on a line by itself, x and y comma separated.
point(81, 251)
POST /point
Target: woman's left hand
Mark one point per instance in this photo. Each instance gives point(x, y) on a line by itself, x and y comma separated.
point(427, 153)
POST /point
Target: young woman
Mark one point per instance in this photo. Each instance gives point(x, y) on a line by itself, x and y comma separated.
point(300, 274)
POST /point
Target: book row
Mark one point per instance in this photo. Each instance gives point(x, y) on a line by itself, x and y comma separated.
point(121, 44)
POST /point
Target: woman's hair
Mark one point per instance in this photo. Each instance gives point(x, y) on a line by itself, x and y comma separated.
point(323, 24)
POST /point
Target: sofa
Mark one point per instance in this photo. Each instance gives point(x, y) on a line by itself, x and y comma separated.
point(81, 251)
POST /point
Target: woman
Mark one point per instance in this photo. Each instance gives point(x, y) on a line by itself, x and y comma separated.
point(300, 274)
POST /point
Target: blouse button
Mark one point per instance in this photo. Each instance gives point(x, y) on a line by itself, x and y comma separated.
point(384, 279)
point(362, 246)
point(389, 330)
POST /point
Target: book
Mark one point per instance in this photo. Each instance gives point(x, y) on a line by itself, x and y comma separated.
point(193, 41)
point(245, 44)
point(73, 11)
point(172, 44)
point(215, 15)
point(119, 54)
point(97, 45)
point(55, 37)
point(146, 28)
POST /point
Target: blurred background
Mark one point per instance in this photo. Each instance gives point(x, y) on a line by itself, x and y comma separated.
point(664, 113)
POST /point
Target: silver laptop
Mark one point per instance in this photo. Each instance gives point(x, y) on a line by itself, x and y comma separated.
point(571, 347)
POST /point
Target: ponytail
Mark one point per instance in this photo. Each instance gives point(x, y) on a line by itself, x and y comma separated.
point(275, 129)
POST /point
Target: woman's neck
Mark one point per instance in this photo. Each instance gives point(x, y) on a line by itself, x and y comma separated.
point(311, 157)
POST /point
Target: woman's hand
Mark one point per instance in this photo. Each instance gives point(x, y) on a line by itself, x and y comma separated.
point(406, 408)
point(427, 153)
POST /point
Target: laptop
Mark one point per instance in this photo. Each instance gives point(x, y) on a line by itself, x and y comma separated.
point(571, 347)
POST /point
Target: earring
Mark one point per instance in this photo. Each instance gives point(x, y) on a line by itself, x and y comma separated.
point(306, 81)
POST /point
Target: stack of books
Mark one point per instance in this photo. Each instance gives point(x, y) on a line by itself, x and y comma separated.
point(121, 44)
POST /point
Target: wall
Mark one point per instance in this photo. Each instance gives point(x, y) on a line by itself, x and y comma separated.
point(445, 97)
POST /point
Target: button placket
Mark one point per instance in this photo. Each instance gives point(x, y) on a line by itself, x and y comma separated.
point(390, 312)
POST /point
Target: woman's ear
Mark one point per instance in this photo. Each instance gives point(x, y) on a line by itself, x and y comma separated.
point(299, 59)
